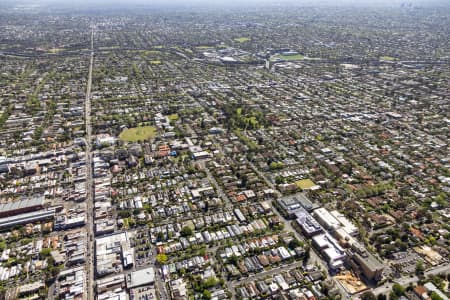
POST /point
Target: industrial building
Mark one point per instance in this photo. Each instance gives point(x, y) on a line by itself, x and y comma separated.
point(290, 204)
point(22, 206)
point(26, 218)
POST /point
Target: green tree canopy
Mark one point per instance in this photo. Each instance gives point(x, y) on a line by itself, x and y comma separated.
point(186, 231)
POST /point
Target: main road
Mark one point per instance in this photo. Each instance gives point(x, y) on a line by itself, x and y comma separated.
point(89, 181)
point(406, 280)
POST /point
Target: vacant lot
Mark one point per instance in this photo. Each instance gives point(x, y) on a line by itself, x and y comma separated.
point(138, 133)
point(305, 184)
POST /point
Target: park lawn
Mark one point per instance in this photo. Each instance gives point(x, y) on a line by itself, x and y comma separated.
point(241, 39)
point(388, 58)
point(55, 50)
point(173, 117)
point(138, 133)
point(292, 57)
point(305, 184)
point(288, 57)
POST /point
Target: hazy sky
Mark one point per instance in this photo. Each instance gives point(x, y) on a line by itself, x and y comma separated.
point(98, 5)
point(230, 2)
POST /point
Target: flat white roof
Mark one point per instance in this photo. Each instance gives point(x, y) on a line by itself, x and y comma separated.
point(141, 277)
point(327, 218)
point(349, 227)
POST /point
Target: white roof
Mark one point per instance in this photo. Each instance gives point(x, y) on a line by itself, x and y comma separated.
point(141, 277)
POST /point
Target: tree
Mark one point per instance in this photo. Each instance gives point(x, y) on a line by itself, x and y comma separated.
point(202, 252)
point(368, 296)
point(276, 165)
point(393, 296)
point(160, 236)
point(294, 244)
point(45, 252)
point(233, 260)
point(244, 181)
point(124, 214)
point(162, 258)
point(210, 282)
point(435, 296)
point(398, 289)
point(206, 294)
point(307, 254)
point(381, 297)
point(186, 231)
point(420, 268)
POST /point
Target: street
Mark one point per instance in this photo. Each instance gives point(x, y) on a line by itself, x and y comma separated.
point(406, 280)
point(89, 181)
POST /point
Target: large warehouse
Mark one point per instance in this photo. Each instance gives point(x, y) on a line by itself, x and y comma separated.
point(22, 206)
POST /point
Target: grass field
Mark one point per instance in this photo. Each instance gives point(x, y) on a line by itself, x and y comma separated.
point(305, 184)
point(389, 58)
point(288, 57)
point(55, 50)
point(173, 117)
point(138, 133)
point(242, 39)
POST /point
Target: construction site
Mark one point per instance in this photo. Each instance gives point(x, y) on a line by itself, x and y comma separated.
point(351, 283)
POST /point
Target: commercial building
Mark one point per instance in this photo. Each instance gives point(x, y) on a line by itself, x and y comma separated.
point(290, 204)
point(346, 224)
point(201, 155)
point(307, 223)
point(361, 260)
point(104, 139)
point(140, 278)
point(326, 219)
point(109, 253)
point(330, 249)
